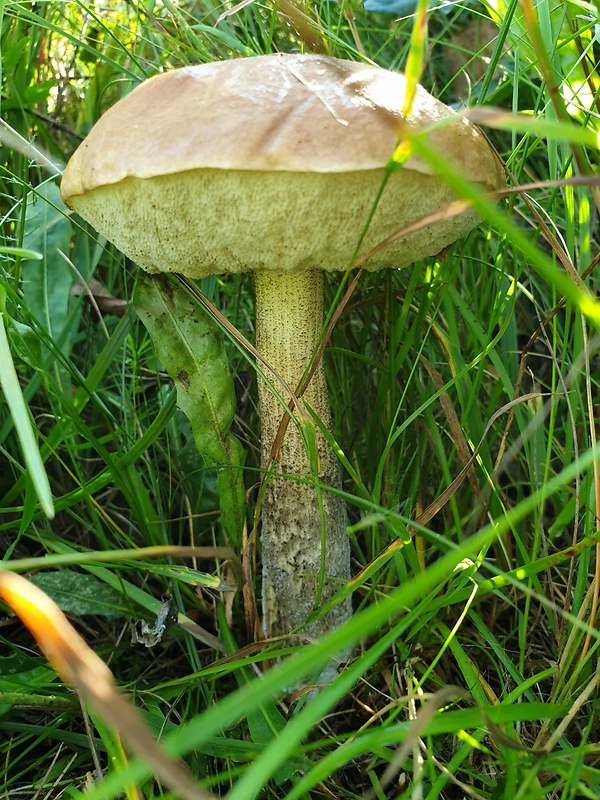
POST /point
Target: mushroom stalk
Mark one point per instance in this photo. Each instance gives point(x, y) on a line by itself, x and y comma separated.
point(305, 547)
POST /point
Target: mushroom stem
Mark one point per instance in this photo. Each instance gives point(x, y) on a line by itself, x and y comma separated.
point(297, 517)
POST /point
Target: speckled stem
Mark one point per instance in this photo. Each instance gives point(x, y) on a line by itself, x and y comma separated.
point(296, 576)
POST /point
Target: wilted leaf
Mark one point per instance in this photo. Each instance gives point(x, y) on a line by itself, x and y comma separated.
point(189, 344)
point(103, 299)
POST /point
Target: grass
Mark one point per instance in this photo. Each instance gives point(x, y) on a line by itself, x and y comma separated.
point(465, 399)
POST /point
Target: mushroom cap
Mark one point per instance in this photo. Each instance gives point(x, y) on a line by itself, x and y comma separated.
point(271, 162)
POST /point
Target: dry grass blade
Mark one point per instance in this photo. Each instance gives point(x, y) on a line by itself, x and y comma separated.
point(308, 30)
point(77, 664)
point(456, 431)
point(12, 139)
point(230, 12)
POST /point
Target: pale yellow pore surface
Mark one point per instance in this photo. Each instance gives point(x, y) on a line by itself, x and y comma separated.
point(214, 221)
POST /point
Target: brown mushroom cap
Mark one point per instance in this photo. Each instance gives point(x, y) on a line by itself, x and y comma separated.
point(272, 162)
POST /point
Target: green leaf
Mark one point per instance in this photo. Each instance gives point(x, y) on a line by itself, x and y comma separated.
point(79, 593)
point(21, 671)
point(19, 411)
point(13, 52)
point(19, 252)
point(25, 343)
point(47, 282)
point(34, 94)
point(190, 345)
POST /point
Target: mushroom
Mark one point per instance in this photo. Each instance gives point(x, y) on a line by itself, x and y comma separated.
point(272, 165)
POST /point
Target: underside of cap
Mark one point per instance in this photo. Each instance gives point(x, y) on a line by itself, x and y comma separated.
point(213, 221)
